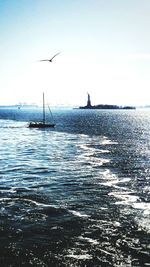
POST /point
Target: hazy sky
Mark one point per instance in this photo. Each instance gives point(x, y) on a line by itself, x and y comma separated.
point(104, 45)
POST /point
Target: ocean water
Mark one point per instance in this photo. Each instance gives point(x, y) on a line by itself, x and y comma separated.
point(78, 194)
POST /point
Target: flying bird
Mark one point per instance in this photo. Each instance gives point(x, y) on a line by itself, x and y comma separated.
point(50, 60)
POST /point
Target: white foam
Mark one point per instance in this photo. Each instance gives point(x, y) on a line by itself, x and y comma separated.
point(79, 214)
point(124, 197)
point(89, 240)
point(143, 223)
point(72, 253)
point(142, 206)
point(5, 198)
point(108, 142)
point(12, 191)
point(80, 256)
point(109, 178)
point(117, 224)
point(124, 180)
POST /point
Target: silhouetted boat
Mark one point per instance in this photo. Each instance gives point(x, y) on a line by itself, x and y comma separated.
point(42, 124)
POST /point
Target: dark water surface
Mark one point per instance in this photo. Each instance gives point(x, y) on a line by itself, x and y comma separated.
point(76, 195)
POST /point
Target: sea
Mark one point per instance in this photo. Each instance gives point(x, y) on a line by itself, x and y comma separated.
point(77, 195)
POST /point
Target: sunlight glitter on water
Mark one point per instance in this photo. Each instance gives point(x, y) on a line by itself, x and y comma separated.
point(72, 198)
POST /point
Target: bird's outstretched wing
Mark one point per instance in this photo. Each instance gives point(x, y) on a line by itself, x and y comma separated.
point(54, 56)
point(44, 60)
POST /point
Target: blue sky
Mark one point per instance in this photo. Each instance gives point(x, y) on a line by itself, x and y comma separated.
point(104, 45)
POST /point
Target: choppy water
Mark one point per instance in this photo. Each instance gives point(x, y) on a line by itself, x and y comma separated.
point(76, 195)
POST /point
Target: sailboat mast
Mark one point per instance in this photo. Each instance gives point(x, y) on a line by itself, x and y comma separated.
point(43, 109)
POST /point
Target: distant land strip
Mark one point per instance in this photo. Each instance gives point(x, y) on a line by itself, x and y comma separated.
point(101, 106)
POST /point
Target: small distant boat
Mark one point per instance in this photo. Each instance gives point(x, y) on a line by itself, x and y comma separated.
point(42, 124)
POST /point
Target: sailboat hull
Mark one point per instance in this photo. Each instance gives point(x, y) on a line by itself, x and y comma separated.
point(41, 125)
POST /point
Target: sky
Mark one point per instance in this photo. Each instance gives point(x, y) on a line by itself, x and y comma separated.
point(104, 50)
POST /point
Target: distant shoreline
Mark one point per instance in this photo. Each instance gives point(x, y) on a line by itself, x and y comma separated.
point(19, 106)
point(101, 106)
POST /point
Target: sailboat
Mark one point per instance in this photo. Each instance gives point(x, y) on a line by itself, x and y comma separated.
point(42, 124)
